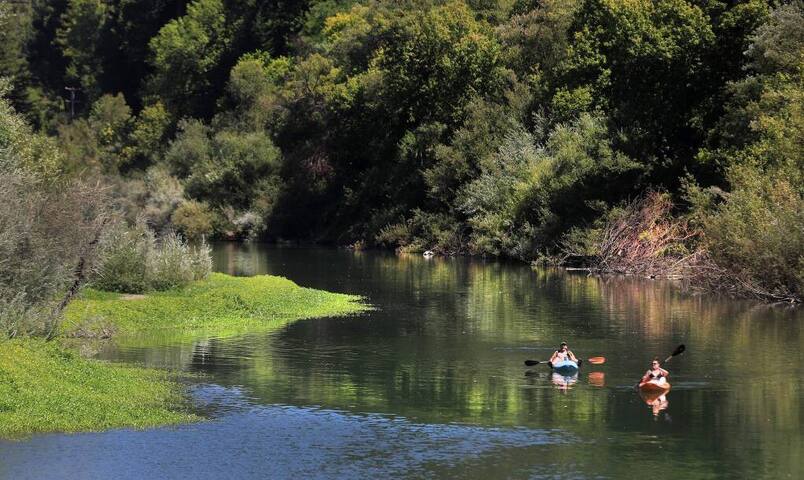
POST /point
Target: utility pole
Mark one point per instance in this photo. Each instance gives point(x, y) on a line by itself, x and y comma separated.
point(72, 91)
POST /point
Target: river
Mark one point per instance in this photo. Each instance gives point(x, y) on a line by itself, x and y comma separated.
point(431, 384)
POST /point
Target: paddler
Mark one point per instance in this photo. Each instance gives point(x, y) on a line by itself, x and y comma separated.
point(655, 373)
point(563, 353)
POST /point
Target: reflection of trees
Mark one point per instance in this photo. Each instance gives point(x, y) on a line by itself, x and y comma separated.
point(442, 348)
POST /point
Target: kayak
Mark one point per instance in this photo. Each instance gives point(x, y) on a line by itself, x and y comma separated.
point(565, 367)
point(654, 387)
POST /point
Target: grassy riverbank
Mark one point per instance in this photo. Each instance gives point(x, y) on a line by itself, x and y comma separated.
point(48, 387)
point(219, 305)
point(45, 387)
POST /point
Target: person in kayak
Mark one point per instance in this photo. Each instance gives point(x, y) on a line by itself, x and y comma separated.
point(655, 373)
point(563, 353)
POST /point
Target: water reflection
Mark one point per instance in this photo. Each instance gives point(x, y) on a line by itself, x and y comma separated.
point(657, 401)
point(444, 320)
point(563, 382)
point(597, 379)
point(447, 345)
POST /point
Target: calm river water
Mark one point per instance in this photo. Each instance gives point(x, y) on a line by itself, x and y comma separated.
point(432, 383)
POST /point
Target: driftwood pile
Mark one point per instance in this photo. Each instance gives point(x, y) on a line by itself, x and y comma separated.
point(647, 240)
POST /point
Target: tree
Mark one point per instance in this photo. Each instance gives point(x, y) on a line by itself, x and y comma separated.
point(187, 52)
point(79, 36)
point(15, 28)
point(637, 61)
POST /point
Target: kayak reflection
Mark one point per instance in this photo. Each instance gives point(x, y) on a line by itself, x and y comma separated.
point(563, 382)
point(656, 400)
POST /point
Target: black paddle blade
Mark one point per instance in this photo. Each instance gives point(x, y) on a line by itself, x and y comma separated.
point(678, 351)
point(530, 363)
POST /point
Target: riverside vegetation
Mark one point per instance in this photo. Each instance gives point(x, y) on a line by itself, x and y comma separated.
point(514, 128)
point(650, 137)
point(60, 233)
point(46, 386)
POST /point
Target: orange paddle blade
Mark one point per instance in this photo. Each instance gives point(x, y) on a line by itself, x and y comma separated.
point(596, 360)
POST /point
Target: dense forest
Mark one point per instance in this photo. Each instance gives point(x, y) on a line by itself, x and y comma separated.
point(651, 136)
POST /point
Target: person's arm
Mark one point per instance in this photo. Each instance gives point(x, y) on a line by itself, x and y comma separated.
point(665, 372)
point(572, 356)
point(645, 377)
point(553, 357)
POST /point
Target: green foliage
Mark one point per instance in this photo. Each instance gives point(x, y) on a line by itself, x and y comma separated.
point(79, 36)
point(47, 388)
point(473, 145)
point(253, 84)
point(758, 232)
point(15, 26)
point(537, 39)
point(238, 165)
point(437, 60)
point(530, 194)
point(110, 119)
point(637, 60)
point(125, 260)
point(149, 133)
point(186, 56)
point(230, 170)
point(135, 261)
point(21, 148)
point(514, 124)
point(424, 231)
point(191, 147)
point(47, 228)
point(193, 219)
point(219, 303)
point(152, 195)
point(763, 119)
point(100, 142)
point(755, 231)
point(778, 43)
point(173, 263)
point(319, 13)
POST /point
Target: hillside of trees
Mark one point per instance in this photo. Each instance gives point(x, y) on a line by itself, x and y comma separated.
point(514, 128)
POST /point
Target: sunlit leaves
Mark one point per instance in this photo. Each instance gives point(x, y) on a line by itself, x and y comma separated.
point(185, 53)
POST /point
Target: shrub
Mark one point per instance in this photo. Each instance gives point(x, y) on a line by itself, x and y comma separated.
point(19, 315)
point(49, 228)
point(193, 219)
point(125, 254)
point(424, 231)
point(534, 191)
point(170, 264)
point(153, 196)
point(135, 261)
point(756, 236)
point(200, 260)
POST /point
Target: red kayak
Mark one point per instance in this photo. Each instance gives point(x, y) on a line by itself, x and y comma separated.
point(654, 387)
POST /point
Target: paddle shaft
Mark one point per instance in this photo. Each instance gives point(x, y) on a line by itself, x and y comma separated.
point(592, 360)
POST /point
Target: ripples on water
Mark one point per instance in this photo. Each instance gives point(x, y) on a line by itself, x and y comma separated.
point(272, 442)
point(431, 385)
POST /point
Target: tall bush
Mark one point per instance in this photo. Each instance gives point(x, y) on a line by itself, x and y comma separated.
point(125, 254)
point(756, 236)
point(49, 230)
point(136, 261)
